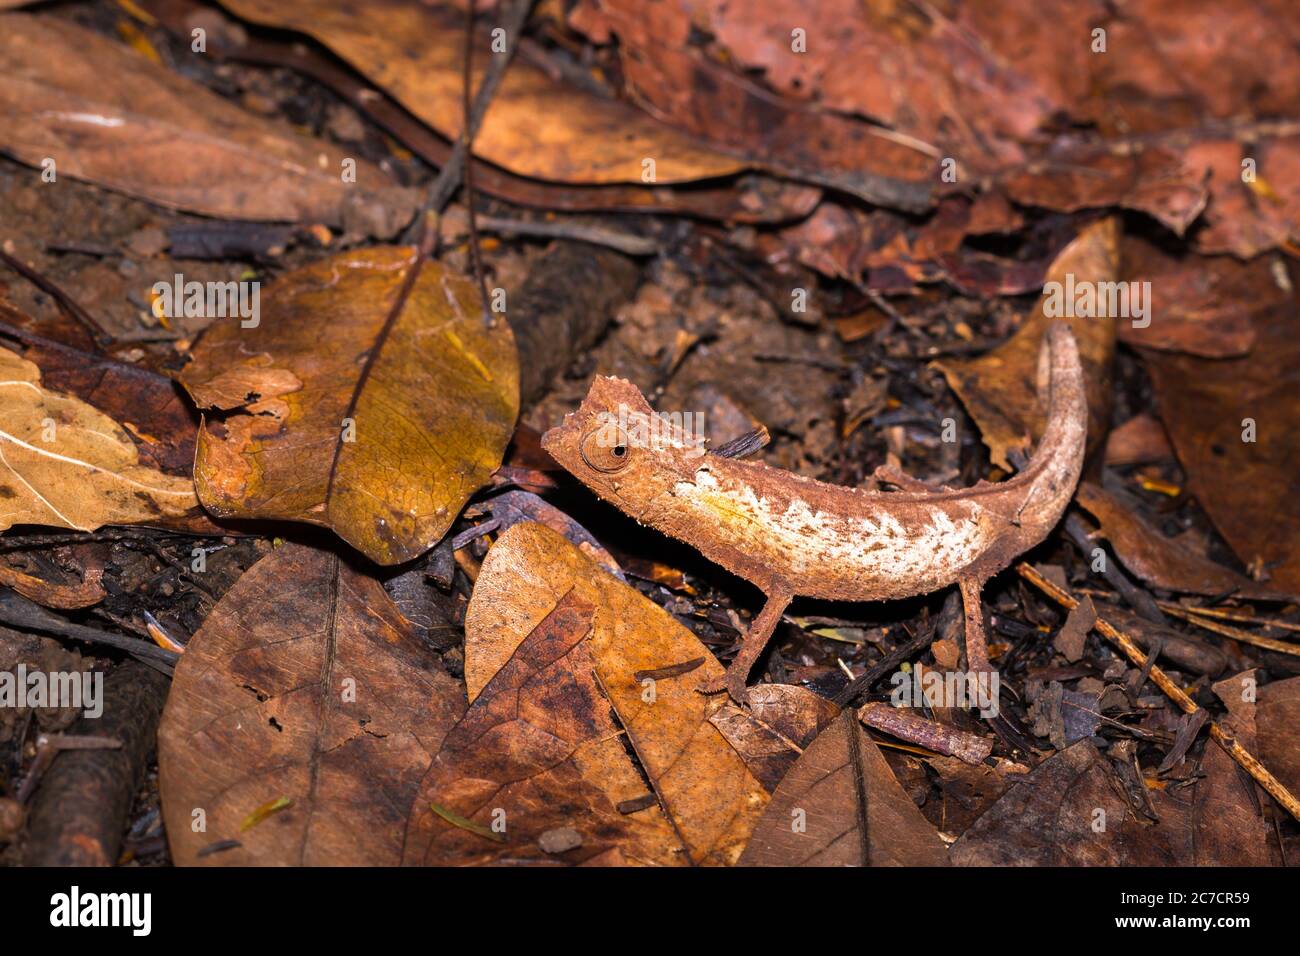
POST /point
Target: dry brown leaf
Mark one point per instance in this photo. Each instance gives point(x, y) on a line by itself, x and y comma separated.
point(1155, 181)
point(112, 117)
point(66, 464)
point(999, 388)
point(304, 683)
point(1159, 561)
point(430, 393)
point(150, 406)
point(839, 786)
point(537, 753)
point(781, 721)
point(702, 783)
point(1212, 408)
point(1207, 304)
point(1070, 811)
point(1276, 718)
point(535, 126)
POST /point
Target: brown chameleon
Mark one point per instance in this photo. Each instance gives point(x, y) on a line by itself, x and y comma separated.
point(791, 535)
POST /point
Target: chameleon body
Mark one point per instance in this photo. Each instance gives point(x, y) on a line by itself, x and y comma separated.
point(791, 535)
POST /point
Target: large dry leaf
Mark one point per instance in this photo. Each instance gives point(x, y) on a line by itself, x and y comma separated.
point(1246, 487)
point(431, 396)
point(535, 125)
point(840, 805)
point(538, 754)
point(1276, 718)
point(110, 116)
point(304, 684)
point(1159, 561)
point(1070, 811)
point(999, 388)
point(702, 783)
point(66, 464)
point(912, 69)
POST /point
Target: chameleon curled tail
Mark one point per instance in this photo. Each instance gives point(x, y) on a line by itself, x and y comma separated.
point(792, 535)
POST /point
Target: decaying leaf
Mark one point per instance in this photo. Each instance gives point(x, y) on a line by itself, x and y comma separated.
point(702, 783)
point(538, 751)
point(998, 388)
point(415, 54)
point(840, 805)
point(66, 464)
point(375, 417)
point(110, 116)
point(1071, 811)
point(304, 684)
point(781, 721)
point(1159, 561)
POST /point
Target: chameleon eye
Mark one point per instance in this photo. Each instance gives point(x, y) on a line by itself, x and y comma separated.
point(606, 449)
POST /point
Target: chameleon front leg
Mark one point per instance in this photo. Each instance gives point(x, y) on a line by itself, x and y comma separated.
point(756, 638)
point(977, 651)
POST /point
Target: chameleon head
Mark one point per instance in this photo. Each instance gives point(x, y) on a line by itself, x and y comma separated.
point(617, 446)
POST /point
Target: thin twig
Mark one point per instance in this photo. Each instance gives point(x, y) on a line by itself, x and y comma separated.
point(475, 253)
point(1162, 680)
point(450, 174)
point(624, 242)
point(1228, 615)
point(1236, 633)
point(18, 612)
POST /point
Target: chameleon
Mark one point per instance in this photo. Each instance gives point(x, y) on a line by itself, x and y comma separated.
point(795, 536)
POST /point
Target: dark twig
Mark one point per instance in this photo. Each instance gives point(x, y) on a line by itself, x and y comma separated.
point(1137, 598)
point(475, 253)
point(18, 612)
point(98, 336)
point(449, 176)
point(886, 665)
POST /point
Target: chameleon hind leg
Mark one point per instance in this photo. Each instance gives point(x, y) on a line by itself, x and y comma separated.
point(756, 638)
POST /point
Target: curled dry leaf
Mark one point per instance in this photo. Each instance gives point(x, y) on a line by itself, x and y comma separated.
point(537, 752)
point(702, 783)
point(841, 805)
point(998, 388)
point(355, 409)
point(1159, 561)
point(110, 116)
point(415, 54)
point(1155, 181)
point(50, 594)
point(66, 464)
point(304, 683)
